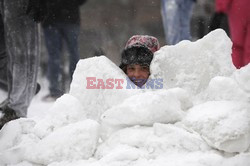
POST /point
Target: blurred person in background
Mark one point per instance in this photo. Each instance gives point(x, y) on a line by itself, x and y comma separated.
point(62, 24)
point(219, 20)
point(176, 16)
point(239, 25)
point(19, 55)
point(201, 18)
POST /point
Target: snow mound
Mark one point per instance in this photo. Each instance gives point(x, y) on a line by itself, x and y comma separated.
point(162, 106)
point(194, 64)
point(145, 109)
point(224, 125)
point(149, 142)
point(223, 119)
point(72, 142)
point(242, 77)
point(98, 100)
point(233, 88)
point(66, 110)
point(103, 124)
point(15, 136)
point(226, 86)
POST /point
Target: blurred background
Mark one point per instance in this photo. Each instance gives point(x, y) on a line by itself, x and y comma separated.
point(106, 25)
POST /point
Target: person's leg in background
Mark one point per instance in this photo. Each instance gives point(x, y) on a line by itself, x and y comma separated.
point(238, 34)
point(171, 21)
point(71, 33)
point(21, 39)
point(186, 10)
point(3, 58)
point(23, 56)
point(53, 40)
point(164, 21)
point(247, 45)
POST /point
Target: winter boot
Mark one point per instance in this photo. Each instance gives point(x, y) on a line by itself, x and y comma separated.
point(6, 114)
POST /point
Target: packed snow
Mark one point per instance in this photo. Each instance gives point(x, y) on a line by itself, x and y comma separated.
point(198, 116)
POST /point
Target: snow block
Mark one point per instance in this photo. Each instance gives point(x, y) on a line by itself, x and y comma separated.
point(144, 109)
point(191, 65)
point(242, 77)
point(15, 136)
point(225, 125)
point(235, 87)
point(72, 142)
point(225, 88)
point(89, 85)
point(66, 110)
point(146, 142)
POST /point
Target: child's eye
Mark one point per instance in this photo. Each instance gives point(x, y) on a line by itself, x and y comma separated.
point(145, 68)
point(131, 68)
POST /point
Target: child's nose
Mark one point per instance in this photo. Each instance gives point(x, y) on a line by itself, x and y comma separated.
point(137, 74)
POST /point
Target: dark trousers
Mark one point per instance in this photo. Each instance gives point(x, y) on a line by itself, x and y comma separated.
point(54, 36)
point(19, 58)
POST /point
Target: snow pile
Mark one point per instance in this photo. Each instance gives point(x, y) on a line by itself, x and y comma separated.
point(194, 64)
point(72, 142)
point(15, 137)
point(225, 125)
point(66, 110)
point(137, 110)
point(149, 142)
point(104, 123)
point(224, 119)
point(234, 88)
point(64, 134)
point(95, 101)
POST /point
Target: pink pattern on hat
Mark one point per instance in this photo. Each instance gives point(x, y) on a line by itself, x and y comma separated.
point(150, 42)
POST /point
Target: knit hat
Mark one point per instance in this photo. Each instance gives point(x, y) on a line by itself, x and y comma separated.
point(139, 49)
point(143, 40)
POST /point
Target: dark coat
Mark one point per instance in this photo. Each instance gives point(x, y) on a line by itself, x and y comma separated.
point(54, 11)
point(219, 20)
point(62, 11)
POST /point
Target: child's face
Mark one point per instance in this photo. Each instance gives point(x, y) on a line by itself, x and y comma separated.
point(138, 74)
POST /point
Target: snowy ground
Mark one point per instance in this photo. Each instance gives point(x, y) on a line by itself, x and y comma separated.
point(198, 116)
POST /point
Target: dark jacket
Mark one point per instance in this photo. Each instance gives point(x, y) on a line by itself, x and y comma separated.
point(62, 11)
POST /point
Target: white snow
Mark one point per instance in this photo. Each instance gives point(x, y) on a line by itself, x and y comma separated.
point(72, 142)
point(96, 101)
point(191, 65)
point(201, 116)
point(224, 125)
point(137, 110)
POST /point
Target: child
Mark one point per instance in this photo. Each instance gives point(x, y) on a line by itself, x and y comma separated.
point(137, 56)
